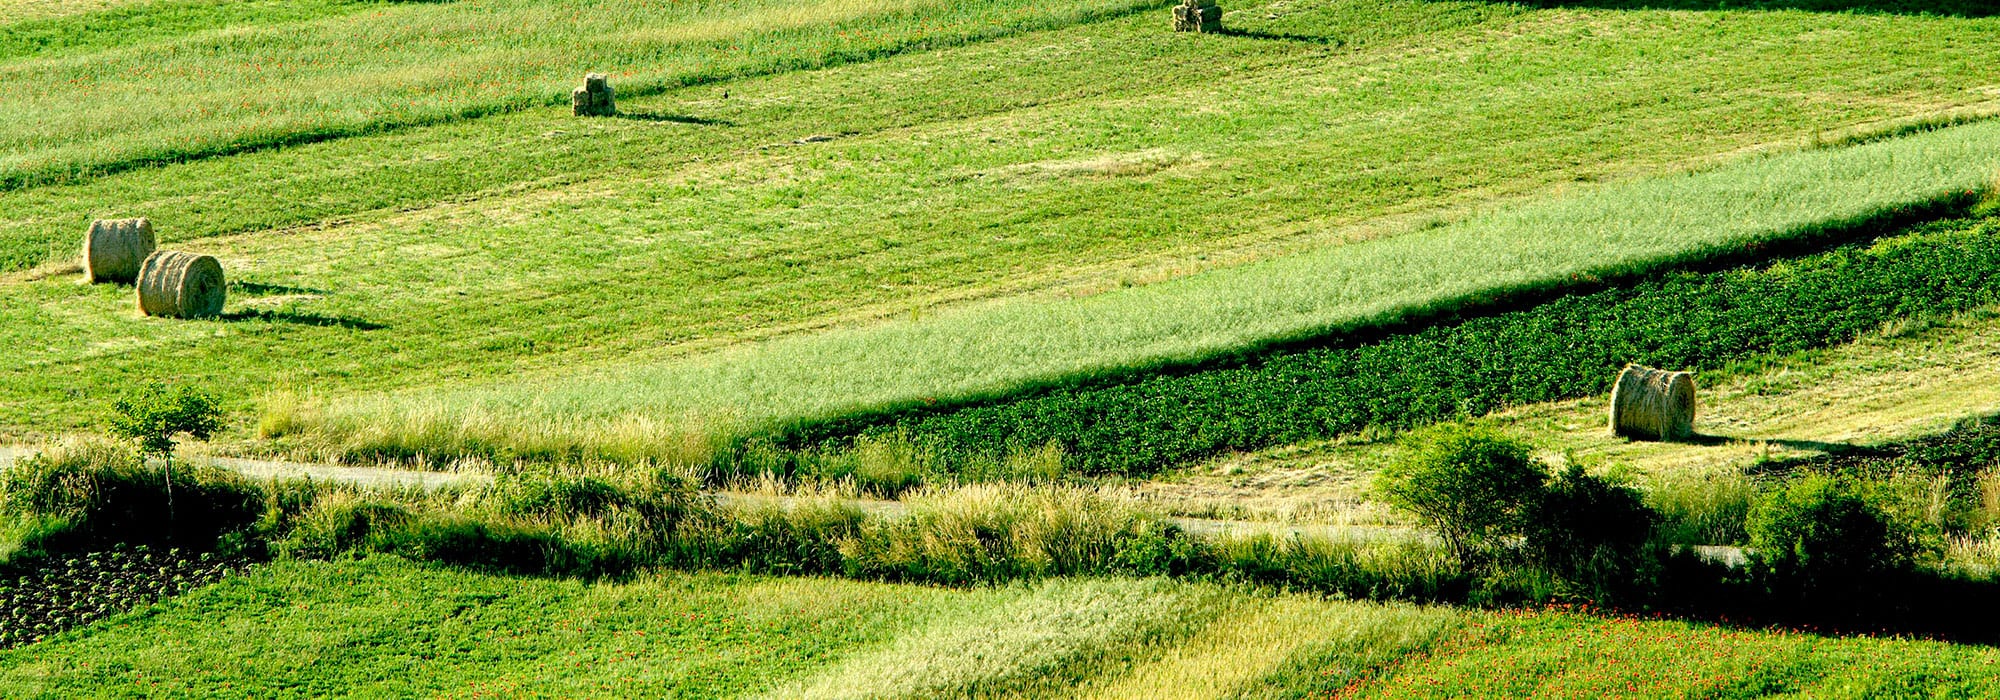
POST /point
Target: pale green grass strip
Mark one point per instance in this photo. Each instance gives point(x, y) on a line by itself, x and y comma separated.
point(398, 65)
point(1058, 625)
point(1010, 346)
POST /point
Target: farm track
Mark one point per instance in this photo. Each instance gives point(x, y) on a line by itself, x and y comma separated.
point(380, 477)
point(375, 477)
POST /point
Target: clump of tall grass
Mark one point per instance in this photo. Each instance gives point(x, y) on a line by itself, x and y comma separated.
point(994, 532)
point(83, 492)
point(1701, 508)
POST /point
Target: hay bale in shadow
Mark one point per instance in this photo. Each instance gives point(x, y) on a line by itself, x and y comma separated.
point(174, 284)
point(1652, 404)
point(594, 99)
point(1198, 16)
point(113, 249)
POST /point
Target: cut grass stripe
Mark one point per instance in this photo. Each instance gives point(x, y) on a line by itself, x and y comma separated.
point(130, 24)
point(80, 117)
point(1008, 349)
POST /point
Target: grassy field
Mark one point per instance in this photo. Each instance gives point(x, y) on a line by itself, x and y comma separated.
point(1004, 348)
point(193, 94)
point(383, 626)
point(839, 209)
point(458, 252)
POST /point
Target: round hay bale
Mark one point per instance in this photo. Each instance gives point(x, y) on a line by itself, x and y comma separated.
point(113, 249)
point(1652, 404)
point(181, 285)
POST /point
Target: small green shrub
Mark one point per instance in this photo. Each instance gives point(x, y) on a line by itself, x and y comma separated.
point(1591, 534)
point(1473, 488)
point(1827, 535)
point(154, 414)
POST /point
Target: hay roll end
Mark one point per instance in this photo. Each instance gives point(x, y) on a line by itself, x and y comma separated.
point(174, 284)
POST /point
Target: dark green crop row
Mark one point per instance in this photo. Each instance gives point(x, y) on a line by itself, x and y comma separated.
point(1565, 348)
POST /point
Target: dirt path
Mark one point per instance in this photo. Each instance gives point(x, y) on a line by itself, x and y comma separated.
point(380, 477)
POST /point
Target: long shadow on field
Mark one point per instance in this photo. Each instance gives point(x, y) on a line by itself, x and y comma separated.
point(302, 319)
point(1921, 604)
point(671, 118)
point(1280, 36)
point(1944, 8)
point(260, 289)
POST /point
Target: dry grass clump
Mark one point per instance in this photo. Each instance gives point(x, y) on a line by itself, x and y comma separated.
point(990, 532)
point(1032, 634)
point(174, 284)
point(1652, 404)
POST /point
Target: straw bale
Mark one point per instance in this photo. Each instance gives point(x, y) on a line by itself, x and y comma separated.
point(1198, 16)
point(595, 98)
point(113, 249)
point(1652, 404)
point(174, 284)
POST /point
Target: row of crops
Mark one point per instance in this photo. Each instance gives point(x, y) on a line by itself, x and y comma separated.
point(1563, 348)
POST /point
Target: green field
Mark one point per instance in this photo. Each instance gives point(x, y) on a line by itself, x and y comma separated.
point(845, 250)
point(456, 253)
point(384, 627)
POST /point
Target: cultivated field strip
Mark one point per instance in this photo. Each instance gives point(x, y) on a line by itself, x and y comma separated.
point(96, 25)
point(1564, 348)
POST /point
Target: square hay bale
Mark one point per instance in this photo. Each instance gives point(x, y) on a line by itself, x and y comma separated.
point(1203, 16)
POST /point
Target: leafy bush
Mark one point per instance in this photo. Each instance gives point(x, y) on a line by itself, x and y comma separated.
point(1591, 534)
point(1568, 347)
point(1952, 471)
point(154, 414)
point(1474, 488)
point(1823, 535)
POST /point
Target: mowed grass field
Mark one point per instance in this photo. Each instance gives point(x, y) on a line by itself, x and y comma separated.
point(381, 626)
point(1073, 159)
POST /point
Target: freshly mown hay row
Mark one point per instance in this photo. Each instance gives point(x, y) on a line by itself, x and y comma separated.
point(1652, 404)
point(594, 99)
point(1198, 16)
point(181, 285)
point(113, 249)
